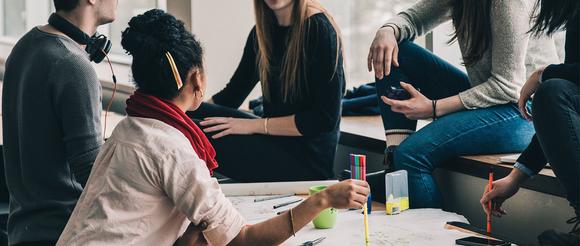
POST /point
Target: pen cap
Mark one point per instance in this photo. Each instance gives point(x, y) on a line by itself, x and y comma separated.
point(358, 166)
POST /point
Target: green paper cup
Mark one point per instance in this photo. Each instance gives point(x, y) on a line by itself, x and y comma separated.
point(327, 218)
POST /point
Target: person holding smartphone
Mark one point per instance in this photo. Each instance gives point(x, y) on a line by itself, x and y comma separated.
point(473, 112)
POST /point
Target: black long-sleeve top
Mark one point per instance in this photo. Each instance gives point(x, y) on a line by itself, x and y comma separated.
point(533, 157)
point(317, 113)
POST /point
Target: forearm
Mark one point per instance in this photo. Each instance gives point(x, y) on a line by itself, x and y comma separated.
point(277, 230)
point(393, 29)
point(421, 18)
point(283, 126)
point(279, 126)
point(449, 105)
point(518, 176)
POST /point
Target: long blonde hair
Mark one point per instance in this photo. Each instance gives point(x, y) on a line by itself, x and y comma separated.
point(294, 60)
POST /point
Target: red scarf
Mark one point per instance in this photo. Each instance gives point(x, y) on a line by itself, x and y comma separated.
point(147, 106)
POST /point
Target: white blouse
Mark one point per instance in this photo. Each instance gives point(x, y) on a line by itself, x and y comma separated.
point(145, 187)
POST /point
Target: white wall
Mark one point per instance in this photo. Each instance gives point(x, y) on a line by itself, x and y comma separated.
point(222, 26)
point(359, 20)
point(451, 53)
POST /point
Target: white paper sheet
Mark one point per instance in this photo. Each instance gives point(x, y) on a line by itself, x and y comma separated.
point(412, 227)
point(256, 212)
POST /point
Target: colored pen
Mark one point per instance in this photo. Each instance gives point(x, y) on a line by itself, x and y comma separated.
point(313, 242)
point(287, 203)
point(272, 198)
point(489, 206)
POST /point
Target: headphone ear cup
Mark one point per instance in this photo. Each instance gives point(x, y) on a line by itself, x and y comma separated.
point(98, 48)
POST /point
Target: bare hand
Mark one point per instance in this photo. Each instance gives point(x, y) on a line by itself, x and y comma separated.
point(192, 236)
point(230, 126)
point(384, 51)
point(528, 90)
point(347, 194)
point(502, 190)
point(417, 108)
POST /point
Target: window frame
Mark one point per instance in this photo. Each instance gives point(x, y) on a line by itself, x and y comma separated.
point(42, 10)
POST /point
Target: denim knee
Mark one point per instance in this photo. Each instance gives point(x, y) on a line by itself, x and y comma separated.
point(551, 93)
point(408, 51)
point(407, 46)
point(408, 157)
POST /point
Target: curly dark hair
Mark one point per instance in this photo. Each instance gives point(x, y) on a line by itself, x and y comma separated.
point(148, 37)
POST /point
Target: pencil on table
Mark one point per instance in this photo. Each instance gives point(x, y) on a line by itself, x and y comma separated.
point(272, 197)
point(366, 219)
point(286, 203)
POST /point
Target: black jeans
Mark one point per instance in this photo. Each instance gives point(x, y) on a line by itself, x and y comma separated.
point(556, 110)
point(257, 158)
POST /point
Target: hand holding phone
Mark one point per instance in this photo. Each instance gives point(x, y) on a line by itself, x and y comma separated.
point(397, 93)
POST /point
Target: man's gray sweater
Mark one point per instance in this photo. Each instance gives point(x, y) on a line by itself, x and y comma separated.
point(51, 108)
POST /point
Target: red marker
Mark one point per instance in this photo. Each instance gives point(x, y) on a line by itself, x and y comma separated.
point(489, 206)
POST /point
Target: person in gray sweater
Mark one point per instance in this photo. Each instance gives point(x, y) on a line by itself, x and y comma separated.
point(51, 107)
point(474, 112)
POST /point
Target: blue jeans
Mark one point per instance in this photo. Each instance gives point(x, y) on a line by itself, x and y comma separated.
point(493, 130)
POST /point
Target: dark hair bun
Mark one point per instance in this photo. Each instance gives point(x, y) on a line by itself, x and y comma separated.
point(148, 37)
point(152, 33)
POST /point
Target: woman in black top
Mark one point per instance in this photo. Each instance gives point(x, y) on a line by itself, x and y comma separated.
point(295, 52)
point(556, 117)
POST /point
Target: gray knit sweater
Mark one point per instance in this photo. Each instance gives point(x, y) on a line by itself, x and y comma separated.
point(498, 77)
point(51, 108)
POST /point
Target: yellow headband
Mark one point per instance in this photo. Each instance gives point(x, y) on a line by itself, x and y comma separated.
point(174, 70)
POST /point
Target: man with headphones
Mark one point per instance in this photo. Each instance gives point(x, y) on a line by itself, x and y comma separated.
point(52, 118)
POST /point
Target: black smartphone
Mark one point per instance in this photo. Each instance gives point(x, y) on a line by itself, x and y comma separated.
point(397, 93)
point(478, 241)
